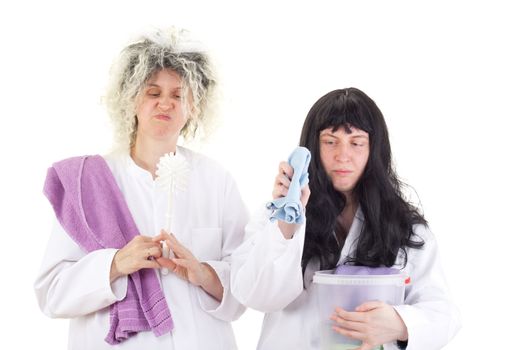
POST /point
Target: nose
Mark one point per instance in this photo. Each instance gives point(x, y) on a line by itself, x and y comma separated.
point(343, 152)
point(165, 104)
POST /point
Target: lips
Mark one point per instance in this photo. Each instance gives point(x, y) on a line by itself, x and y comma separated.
point(164, 117)
point(343, 172)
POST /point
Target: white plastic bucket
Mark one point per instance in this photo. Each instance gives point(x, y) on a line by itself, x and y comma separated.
point(348, 292)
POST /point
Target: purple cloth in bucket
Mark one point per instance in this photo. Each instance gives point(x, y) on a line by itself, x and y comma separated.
point(364, 270)
point(364, 283)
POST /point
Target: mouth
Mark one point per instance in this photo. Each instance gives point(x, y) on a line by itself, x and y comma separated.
point(163, 117)
point(343, 172)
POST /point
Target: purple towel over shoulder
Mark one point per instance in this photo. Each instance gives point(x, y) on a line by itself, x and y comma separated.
point(91, 208)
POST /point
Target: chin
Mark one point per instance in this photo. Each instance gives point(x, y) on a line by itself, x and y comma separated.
point(344, 187)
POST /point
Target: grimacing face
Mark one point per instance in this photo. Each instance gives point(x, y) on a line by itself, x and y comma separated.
point(161, 114)
point(344, 156)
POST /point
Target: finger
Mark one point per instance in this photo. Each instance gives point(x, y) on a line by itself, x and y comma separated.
point(348, 325)
point(154, 251)
point(279, 191)
point(140, 239)
point(283, 191)
point(181, 272)
point(174, 239)
point(339, 311)
point(283, 180)
point(365, 346)
point(184, 263)
point(349, 315)
point(348, 333)
point(286, 169)
point(151, 245)
point(142, 252)
point(179, 250)
point(150, 264)
point(168, 237)
point(162, 236)
point(167, 263)
point(369, 305)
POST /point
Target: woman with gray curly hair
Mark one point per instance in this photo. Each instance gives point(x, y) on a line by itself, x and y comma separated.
point(174, 51)
point(101, 267)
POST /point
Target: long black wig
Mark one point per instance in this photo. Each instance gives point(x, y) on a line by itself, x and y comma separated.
point(388, 217)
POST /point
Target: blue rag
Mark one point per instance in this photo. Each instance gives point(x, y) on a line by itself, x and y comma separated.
point(290, 208)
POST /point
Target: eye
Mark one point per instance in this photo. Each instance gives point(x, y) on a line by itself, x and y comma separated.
point(328, 142)
point(153, 93)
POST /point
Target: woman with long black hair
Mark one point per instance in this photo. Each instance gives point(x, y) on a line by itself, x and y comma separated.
point(355, 214)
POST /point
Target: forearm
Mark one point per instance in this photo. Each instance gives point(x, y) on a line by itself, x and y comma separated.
point(211, 283)
point(266, 269)
point(287, 230)
point(114, 273)
point(72, 289)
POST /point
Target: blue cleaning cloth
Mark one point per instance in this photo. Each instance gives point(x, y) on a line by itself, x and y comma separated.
point(290, 208)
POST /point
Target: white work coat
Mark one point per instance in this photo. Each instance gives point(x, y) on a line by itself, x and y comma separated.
point(267, 276)
point(208, 218)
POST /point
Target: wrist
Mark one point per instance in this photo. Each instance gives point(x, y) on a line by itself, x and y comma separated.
point(403, 337)
point(212, 284)
point(114, 272)
point(403, 330)
point(206, 274)
point(287, 230)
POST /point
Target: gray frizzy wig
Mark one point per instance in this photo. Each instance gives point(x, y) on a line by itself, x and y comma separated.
point(138, 62)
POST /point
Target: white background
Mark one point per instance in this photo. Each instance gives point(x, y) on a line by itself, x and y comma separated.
point(448, 76)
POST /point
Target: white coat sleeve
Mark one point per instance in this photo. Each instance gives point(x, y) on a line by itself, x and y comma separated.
point(266, 268)
point(234, 219)
point(431, 317)
point(71, 283)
